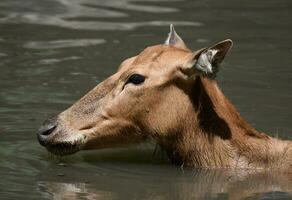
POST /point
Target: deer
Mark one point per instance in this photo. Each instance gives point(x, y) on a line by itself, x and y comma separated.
point(169, 94)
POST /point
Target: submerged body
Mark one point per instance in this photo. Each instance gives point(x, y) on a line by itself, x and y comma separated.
point(169, 94)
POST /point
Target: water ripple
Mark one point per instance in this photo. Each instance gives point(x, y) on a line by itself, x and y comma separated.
point(57, 44)
point(68, 14)
point(88, 25)
point(51, 61)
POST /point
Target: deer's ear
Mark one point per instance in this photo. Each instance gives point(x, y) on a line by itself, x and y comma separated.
point(174, 39)
point(207, 60)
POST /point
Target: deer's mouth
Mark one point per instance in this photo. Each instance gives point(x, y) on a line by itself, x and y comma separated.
point(61, 142)
point(60, 147)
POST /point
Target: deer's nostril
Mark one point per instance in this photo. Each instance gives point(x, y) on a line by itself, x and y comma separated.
point(48, 131)
point(48, 127)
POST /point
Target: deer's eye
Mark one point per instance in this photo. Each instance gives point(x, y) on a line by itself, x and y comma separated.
point(136, 79)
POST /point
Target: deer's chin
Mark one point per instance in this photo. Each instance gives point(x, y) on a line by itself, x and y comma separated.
point(63, 148)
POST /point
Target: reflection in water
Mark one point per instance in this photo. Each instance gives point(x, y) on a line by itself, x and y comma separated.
point(196, 184)
point(71, 191)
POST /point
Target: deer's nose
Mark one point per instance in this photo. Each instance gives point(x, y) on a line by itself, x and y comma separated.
point(48, 127)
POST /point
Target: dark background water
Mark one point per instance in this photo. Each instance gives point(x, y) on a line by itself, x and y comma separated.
point(54, 51)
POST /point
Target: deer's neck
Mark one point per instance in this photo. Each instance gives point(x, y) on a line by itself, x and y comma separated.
point(215, 135)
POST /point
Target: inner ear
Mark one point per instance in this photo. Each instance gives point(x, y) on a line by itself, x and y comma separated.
point(208, 60)
point(221, 49)
point(174, 39)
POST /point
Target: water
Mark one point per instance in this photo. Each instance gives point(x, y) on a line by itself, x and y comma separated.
point(54, 51)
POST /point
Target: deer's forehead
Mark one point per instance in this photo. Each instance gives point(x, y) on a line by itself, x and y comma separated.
point(160, 52)
point(159, 58)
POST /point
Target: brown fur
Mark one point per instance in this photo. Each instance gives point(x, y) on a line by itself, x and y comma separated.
point(217, 136)
point(184, 111)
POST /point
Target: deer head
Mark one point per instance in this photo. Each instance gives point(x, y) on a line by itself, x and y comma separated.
point(149, 97)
